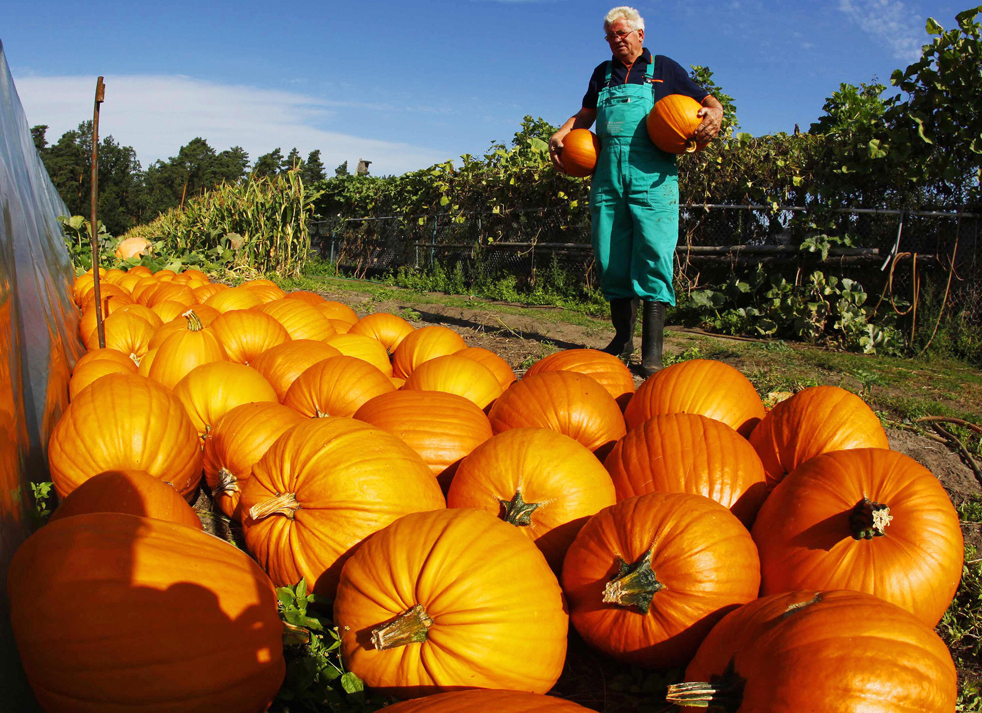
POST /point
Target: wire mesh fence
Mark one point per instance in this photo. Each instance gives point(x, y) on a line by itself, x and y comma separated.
point(894, 253)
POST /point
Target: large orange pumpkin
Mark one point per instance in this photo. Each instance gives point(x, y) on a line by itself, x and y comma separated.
point(137, 595)
point(125, 422)
point(564, 401)
point(869, 520)
point(456, 375)
point(337, 386)
point(703, 386)
point(364, 348)
point(128, 491)
point(647, 578)
point(482, 699)
point(606, 369)
point(282, 364)
point(246, 334)
point(816, 420)
point(239, 439)
point(689, 453)
point(185, 350)
point(542, 482)
point(451, 599)
point(422, 345)
point(389, 329)
point(299, 319)
point(234, 298)
point(498, 366)
point(581, 147)
point(209, 391)
point(86, 374)
point(268, 293)
point(672, 123)
point(337, 310)
point(321, 489)
point(822, 652)
point(441, 427)
point(109, 354)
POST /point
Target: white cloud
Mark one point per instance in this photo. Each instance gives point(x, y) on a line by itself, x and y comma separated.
point(156, 115)
point(890, 22)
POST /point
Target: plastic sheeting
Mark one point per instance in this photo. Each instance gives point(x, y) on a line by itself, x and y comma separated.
point(38, 345)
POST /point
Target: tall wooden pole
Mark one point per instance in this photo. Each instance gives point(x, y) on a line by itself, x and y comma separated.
point(100, 96)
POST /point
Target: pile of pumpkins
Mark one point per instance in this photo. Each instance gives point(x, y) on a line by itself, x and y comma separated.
point(461, 519)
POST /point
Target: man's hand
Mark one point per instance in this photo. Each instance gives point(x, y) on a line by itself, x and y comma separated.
point(556, 149)
point(712, 120)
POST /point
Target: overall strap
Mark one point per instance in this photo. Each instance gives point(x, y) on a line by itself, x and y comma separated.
point(609, 69)
point(650, 72)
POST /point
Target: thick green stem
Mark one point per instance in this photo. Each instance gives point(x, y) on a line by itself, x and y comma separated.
point(194, 321)
point(868, 520)
point(410, 627)
point(516, 511)
point(283, 504)
point(634, 585)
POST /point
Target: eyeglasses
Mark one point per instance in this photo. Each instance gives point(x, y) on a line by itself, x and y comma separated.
point(620, 35)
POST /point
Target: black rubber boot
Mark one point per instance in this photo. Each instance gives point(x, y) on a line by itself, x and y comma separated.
point(652, 331)
point(623, 312)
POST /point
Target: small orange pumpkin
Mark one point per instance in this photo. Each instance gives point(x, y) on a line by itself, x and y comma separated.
point(246, 334)
point(581, 147)
point(498, 366)
point(422, 345)
point(337, 386)
point(389, 329)
point(456, 375)
point(672, 122)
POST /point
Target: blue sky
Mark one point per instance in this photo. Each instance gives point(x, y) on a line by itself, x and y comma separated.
point(408, 84)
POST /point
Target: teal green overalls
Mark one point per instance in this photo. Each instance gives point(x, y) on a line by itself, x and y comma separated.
point(634, 199)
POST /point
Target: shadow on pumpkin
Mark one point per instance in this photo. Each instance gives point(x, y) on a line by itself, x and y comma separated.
point(824, 535)
point(150, 615)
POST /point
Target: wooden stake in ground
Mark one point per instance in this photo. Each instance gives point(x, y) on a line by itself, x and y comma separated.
point(100, 96)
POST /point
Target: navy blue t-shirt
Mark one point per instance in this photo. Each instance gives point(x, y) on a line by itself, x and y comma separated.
point(668, 77)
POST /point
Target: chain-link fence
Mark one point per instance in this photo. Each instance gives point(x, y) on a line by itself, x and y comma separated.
point(894, 253)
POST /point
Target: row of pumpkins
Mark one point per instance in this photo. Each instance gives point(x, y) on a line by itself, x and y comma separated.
point(459, 519)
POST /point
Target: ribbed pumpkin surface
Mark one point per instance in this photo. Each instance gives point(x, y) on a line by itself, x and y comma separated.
point(210, 391)
point(672, 122)
point(365, 348)
point(486, 700)
point(498, 618)
point(125, 423)
point(580, 150)
point(606, 369)
point(498, 366)
point(456, 375)
point(282, 364)
point(136, 595)
point(234, 298)
point(337, 386)
point(389, 329)
point(88, 373)
point(422, 345)
point(248, 334)
point(299, 319)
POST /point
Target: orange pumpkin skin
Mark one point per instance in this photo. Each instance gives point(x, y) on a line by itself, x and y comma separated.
point(120, 582)
point(209, 391)
point(299, 319)
point(234, 298)
point(239, 439)
point(201, 294)
point(442, 428)
point(169, 311)
point(702, 386)
point(672, 122)
point(389, 329)
point(581, 147)
point(139, 270)
point(498, 366)
point(365, 348)
point(87, 327)
point(184, 351)
point(311, 298)
point(108, 354)
point(616, 567)
point(128, 491)
point(564, 401)
point(321, 489)
point(422, 345)
point(689, 453)
point(497, 612)
point(816, 420)
point(340, 326)
point(268, 293)
point(807, 531)
point(171, 293)
point(337, 310)
point(827, 652)
point(127, 333)
point(206, 314)
point(133, 247)
point(482, 700)
point(91, 372)
point(337, 386)
point(125, 422)
point(145, 312)
point(246, 334)
point(606, 369)
point(542, 482)
point(282, 364)
point(251, 284)
point(456, 375)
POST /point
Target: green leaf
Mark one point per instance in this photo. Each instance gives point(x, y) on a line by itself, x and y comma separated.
point(919, 118)
point(351, 683)
point(932, 27)
point(539, 145)
point(444, 201)
point(285, 596)
point(301, 589)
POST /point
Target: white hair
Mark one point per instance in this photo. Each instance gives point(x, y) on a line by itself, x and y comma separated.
point(632, 16)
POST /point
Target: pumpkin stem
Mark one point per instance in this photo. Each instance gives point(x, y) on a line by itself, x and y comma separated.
point(723, 692)
point(794, 608)
point(634, 585)
point(295, 635)
point(283, 504)
point(410, 627)
point(194, 321)
point(227, 483)
point(321, 414)
point(134, 358)
point(516, 511)
point(868, 520)
point(691, 146)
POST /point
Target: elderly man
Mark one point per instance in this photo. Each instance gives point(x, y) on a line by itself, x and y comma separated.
point(634, 198)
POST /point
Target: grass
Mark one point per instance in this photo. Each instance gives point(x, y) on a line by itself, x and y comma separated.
point(961, 625)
